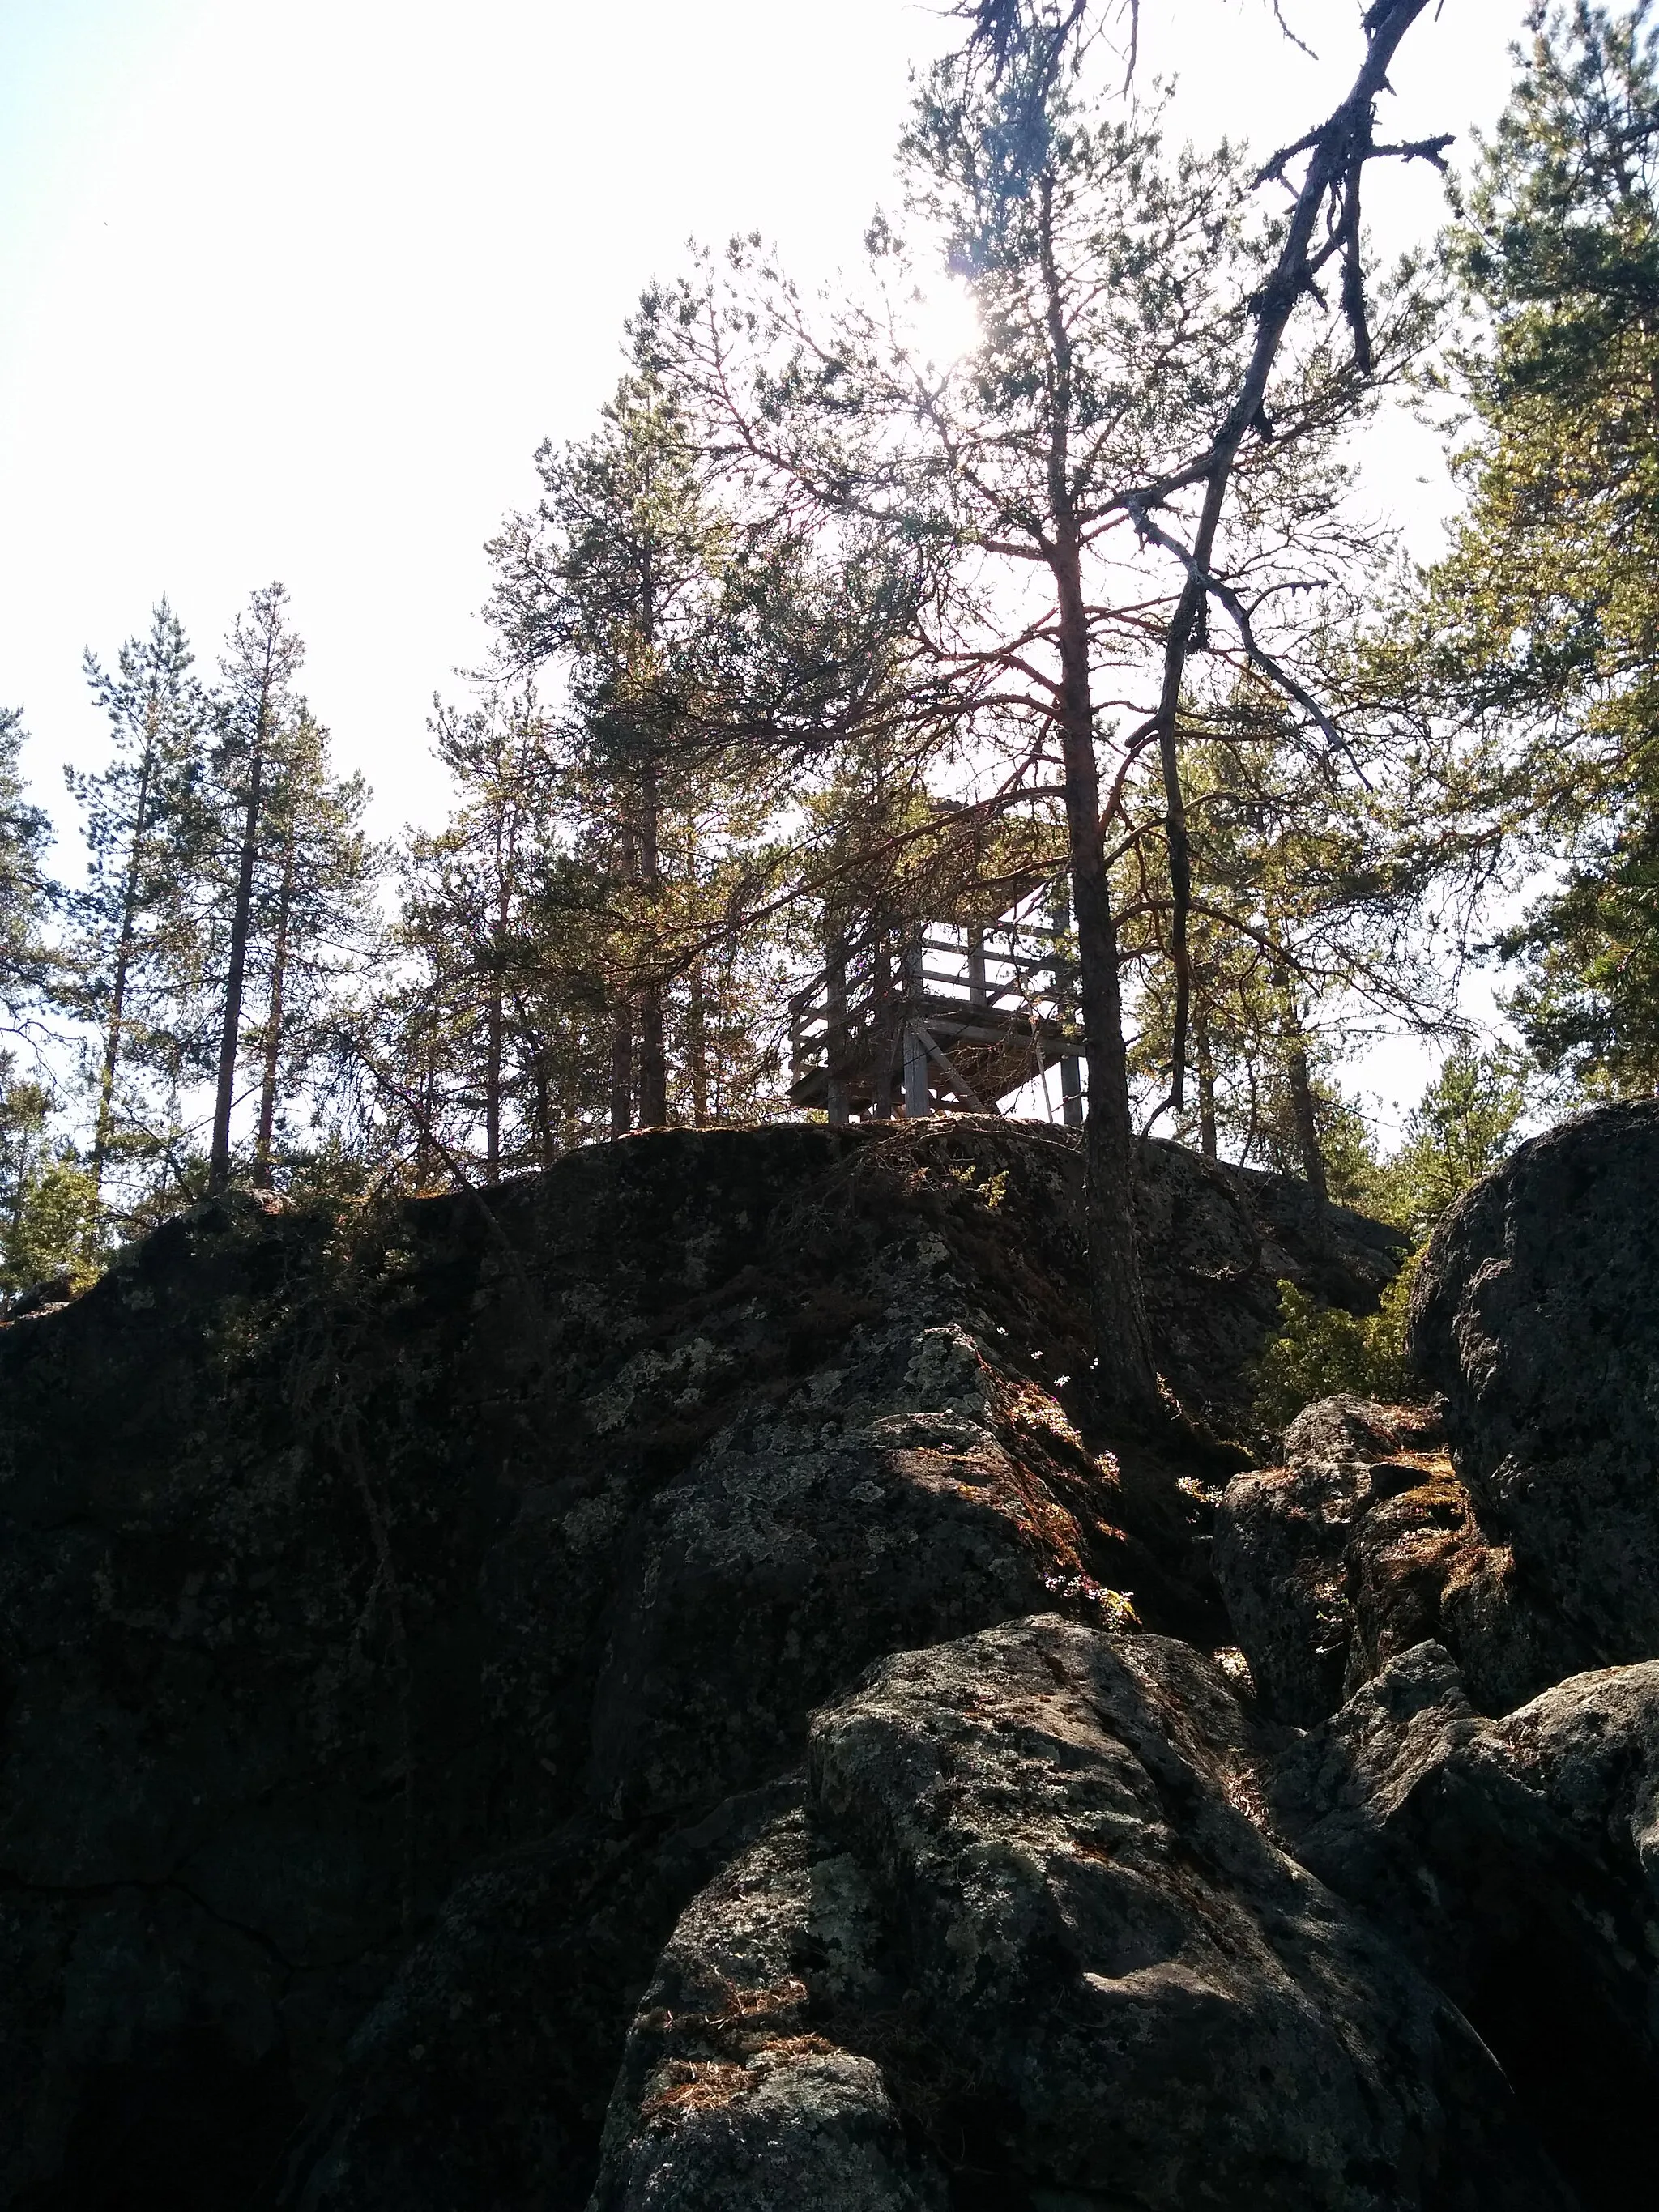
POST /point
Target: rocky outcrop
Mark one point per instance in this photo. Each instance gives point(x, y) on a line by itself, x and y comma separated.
point(392, 1602)
point(1535, 1315)
point(1476, 1778)
point(652, 1687)
point(1025, 1944)
point(1519, 1524)
point(1364, 1543)
point(1517, 1860)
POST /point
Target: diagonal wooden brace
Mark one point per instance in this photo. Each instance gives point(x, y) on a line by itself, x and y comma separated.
point(952, 1075)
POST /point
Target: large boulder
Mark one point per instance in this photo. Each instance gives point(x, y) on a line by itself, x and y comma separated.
point(1027, 1944)
point(1281, 1546)
point(1535, 1315)
point(391, 1601)
point(651, 1684)
point(1518, 1861)
point(479, 2076)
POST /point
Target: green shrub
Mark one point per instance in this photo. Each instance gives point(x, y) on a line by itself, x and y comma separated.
point(1320, 1351)
point(47, 1233)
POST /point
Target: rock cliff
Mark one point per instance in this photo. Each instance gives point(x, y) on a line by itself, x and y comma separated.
point(650, 1688)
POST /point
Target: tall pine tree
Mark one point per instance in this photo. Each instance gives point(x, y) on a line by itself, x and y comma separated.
point(314, 919)
point(250, 711)
point(136, 945)
point(1072, 479)
point(26, 891)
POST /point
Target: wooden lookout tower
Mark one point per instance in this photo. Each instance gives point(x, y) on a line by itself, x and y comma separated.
point(936, 1016)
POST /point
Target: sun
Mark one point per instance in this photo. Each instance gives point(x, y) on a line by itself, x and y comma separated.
point(944, 318)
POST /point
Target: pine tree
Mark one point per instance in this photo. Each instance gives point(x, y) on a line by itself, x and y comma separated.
point(1314, 922)
point(314, 917)
point(1071, 503)
point(46, 1199)
point(1465, 1122)
point(615, 578)
point(250, 711)
point(287, 901)
point(26, 890)
point(1527, 660)
point(704, 654)
point(480, 1013)
point(522, 939)
point(137, 948)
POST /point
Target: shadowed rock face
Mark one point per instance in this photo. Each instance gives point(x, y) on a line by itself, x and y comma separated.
point(1515, 1860)
point(654, 1685)
point(1366, 1543)
point(1488, 1790)
point(1518, 1525)
point(1536, 1315)
point(388, 1605)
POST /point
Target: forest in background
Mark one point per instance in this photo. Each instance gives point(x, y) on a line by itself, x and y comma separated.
point(816, 627)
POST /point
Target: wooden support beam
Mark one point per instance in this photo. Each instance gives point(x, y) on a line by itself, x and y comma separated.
point(835, 1049)
point(918, 1100)
point(953, 1075)
point(881, 988)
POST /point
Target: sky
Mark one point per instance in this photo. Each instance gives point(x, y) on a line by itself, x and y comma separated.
point(296, 291)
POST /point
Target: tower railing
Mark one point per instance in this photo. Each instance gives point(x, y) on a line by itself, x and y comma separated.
point(938, 1016)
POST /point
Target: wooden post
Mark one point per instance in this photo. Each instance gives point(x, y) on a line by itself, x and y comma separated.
point(977, 992)
point(881, 1024)
point(1070, 1065)
point(834, 1037)
point(917, 1102)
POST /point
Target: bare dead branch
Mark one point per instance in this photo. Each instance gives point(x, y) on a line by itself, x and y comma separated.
point(1338, 151)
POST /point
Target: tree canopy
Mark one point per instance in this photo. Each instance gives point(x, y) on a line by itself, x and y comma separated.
point(830, 628)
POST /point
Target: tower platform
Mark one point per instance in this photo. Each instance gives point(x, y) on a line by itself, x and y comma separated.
point(949, 1017)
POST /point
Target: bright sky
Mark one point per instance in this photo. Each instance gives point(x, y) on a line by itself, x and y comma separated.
point(295, 292)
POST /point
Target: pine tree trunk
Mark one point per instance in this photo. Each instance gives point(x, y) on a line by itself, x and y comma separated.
point(495, 1016)
point(622, 1068)
point(546, 1144)
point(697, 1043)
point(10, 1244)
point(492, 1082)
point(114, 1025)
point(1205, 1062)
point(241, 919)
point(1304, 1112)
point(622, 1019)
point(20, 1187)
point(653, 1056)
point(426, 1154)
point(653, 1060)
point(1126, 1374)
point(274, 1025)
point(1253, 1133)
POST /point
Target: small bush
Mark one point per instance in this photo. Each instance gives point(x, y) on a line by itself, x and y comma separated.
point(1320, 1351)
